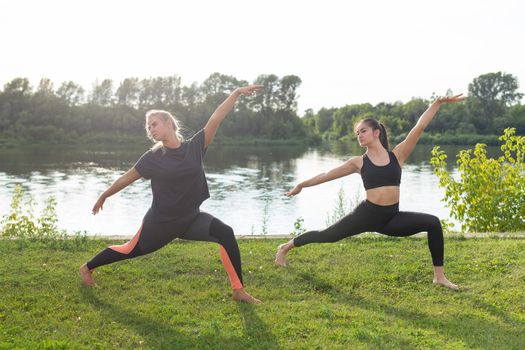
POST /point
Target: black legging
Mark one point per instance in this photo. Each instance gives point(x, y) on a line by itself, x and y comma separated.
point(153, 236)
point(388, 220)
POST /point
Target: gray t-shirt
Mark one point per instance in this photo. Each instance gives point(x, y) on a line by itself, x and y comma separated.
point(178, 182)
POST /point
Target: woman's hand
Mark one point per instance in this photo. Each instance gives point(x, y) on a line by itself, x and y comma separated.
point(450, 99)
point(98, 205)
point(249, 90)
point(295, 191)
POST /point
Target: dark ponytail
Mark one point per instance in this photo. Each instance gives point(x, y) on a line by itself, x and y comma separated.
point(375, 125)
point(383, 137)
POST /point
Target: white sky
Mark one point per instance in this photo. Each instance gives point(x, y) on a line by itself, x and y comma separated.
point(345, 52)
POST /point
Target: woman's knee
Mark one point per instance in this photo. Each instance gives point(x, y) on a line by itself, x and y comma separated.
point(435, 223)
point(228, 231)
point(220, 230)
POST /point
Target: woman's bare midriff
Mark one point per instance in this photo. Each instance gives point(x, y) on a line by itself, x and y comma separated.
point(386, 195)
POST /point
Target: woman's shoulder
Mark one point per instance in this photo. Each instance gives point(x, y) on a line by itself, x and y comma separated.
point(359, 158)
point(153, 153)
point(357, 161)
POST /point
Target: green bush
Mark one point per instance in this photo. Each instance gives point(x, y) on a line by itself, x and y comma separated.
point(20, 223)
point(489, 195)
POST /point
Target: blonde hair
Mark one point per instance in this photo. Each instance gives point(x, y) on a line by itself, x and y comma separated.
point(165, 116)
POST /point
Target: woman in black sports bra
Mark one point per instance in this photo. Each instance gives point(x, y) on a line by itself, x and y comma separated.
point(380, 170)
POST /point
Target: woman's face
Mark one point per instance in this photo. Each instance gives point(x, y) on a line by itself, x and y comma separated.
point(157, 128)
point(365, 134)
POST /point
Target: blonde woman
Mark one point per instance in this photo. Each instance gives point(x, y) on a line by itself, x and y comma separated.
point(178, 184)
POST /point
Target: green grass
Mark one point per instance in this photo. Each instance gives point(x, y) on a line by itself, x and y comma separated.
point(361, 293)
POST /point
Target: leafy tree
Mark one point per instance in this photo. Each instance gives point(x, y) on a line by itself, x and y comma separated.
point(45, 87)
point(287, 95)
point(516, 118)
point(15, 107)
point(324, 119)
point(102, 94)
point(18, 86)
point(489, 96)
point(265, 101)
point(345, 118)
point(71, 93)
point(128, 92)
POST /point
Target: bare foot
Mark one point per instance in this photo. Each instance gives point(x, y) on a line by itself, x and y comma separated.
point(445, 283)
point(86, 275)
point(241, 295)
point(280, 257)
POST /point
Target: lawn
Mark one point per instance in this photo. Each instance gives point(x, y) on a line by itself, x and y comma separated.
point(360, 293)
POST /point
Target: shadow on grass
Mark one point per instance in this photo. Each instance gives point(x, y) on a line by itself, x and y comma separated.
point(161, 335)
point(488, 335)
point(255, 329)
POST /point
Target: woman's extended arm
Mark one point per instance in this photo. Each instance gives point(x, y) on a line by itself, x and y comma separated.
point(129, 177)
point(220, 113)
point(349, 167)
point(405, 148)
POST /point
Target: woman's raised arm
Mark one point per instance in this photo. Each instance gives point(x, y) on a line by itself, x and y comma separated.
point(405, 148)
point(220, 113)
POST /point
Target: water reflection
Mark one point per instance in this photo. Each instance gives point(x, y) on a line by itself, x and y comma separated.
point(247, 185)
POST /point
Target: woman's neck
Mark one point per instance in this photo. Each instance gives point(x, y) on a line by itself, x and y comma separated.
point(171, 142)
point(375, 149)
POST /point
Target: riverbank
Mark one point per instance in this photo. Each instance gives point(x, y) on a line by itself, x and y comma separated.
point(372, 292)
point(364, 235)
point(105, 141)
point(125, 140)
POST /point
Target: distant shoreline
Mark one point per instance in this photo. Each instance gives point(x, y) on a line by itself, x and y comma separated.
point(105, 141)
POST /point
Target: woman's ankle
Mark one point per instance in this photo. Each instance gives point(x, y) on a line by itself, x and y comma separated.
point(288, 246)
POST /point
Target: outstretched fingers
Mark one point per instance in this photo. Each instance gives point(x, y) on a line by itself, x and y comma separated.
point(451, 99)
point(250, 89)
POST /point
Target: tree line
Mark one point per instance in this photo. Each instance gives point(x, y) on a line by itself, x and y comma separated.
point(493, 105)
point(67, 113)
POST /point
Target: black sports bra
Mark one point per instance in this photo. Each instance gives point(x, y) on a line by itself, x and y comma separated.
point(380, 175)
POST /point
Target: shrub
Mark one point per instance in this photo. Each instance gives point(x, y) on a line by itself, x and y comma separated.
point(343, 205)
point(20, 223)
point(489, 195)
point(298, 227)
